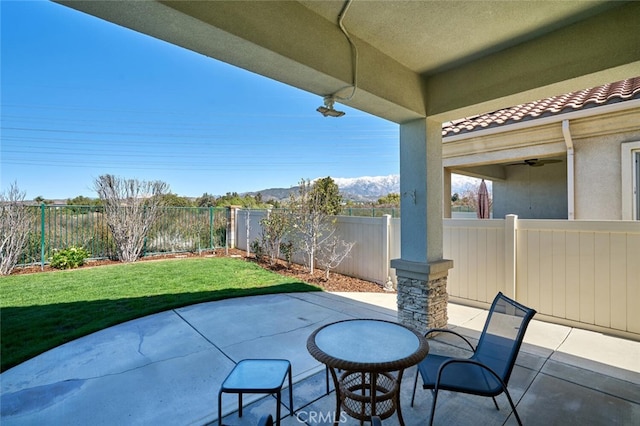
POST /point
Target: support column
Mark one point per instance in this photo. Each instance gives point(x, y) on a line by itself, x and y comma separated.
point(510, 249)
point(422, 272)
point(422, 293)
point(446, 213)
point(232, 215)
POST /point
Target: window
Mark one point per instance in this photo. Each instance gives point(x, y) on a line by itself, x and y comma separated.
point(630, 181)
point(636, 188)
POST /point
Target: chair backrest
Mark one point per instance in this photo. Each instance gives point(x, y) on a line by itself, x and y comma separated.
point(502, 335)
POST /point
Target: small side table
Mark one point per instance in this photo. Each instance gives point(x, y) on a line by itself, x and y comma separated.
point(257, 376)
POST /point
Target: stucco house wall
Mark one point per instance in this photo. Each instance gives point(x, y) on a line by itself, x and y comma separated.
point(532, 192)
point(598, 164)
point(597, 135)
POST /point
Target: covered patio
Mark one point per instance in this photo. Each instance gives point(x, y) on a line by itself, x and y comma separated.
point(166, 369)
point(417, 64)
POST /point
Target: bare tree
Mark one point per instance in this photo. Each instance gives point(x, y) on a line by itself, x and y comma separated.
point(131, 207)
point(15, 223)
point(469, 197)
point(314, 224)
point(332, 252)
point(310, 224)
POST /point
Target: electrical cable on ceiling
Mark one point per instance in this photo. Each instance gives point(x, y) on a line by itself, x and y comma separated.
point(327, 109)
point(354, 54)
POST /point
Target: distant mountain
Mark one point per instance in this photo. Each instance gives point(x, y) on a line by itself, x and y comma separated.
point(278, 194)
point(361, 189)
point(368, 188)
point(365, 188)
point(461, 184)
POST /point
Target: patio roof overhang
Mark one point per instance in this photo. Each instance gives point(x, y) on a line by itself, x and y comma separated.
point(440, 59)
point(420, 63)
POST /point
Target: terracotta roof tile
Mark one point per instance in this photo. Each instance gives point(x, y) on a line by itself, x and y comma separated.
point(619, 91)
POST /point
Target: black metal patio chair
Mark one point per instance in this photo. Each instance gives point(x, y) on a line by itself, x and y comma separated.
point(266, 420)
point(487, 371)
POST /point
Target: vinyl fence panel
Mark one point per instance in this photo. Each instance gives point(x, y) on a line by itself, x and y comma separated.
point(579, 273)
point(477, 248)
point(583, 271)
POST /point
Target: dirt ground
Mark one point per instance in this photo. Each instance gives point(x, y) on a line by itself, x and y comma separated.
point(336, 282)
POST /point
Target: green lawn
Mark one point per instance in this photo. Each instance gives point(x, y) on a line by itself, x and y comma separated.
point(41, 311)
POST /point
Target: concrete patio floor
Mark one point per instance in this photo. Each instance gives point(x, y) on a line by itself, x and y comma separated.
point(166, 369)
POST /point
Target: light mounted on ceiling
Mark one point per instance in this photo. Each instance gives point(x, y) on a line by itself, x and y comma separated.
point(534, 162)
point(327, 109)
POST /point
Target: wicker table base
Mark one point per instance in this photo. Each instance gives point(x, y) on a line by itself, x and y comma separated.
point(371, 356)
point(368, 394)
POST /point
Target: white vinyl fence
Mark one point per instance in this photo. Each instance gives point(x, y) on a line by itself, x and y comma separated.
point(581, 273)
point(584, 273)
point(377, 241)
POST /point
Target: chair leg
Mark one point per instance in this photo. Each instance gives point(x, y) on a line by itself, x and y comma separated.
point(495, 403)
point(240, 405)
point(220, 408)
point(290, 392)
point(278, 408)
point(433, 406)
point(513, 407)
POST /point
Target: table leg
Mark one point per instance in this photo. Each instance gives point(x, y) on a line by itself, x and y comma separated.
point(363, 405)
point(336, 385)
point(397, 398)
point(373, 378)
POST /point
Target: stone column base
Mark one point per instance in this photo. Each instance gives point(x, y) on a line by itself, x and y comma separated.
point(422, 293)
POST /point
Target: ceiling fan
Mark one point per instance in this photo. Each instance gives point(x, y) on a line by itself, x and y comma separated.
point(534, 162)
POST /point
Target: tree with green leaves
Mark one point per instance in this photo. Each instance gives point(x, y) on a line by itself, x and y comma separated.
point(41, 200)
point(81, 200)
point(326, 196)
point(206, 200)
point(275, 227)
point(245, 201)
point(391, 199)
point(230, 199)
point(173, 200)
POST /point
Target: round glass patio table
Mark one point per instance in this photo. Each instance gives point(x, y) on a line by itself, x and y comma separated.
point(367, 353)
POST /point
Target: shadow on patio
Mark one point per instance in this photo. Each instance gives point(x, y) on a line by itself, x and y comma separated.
point(167, 368)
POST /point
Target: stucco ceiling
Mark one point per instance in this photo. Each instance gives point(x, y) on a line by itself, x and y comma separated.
point(439, 59)
point(432, 36)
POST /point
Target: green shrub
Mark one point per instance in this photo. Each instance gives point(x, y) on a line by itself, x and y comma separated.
point(69, 258)
point(257, 249)
point(31, 252)
point(286, 249)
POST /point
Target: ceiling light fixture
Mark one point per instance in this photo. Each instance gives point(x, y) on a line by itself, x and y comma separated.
point(327, 109)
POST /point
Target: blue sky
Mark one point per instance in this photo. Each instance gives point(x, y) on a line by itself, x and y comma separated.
point(82, 97)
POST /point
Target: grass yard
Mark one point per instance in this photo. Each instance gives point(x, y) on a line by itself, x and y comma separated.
point(44, 310)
